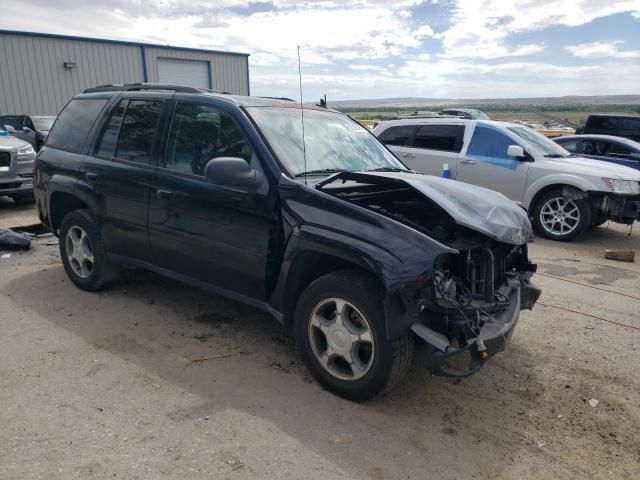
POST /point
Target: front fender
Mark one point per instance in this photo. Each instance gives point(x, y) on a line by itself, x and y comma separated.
point(560, 179)
point(394, 270)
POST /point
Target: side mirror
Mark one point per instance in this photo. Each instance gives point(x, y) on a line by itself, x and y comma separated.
point(231, 171)
point(9, 129)
point(515, 151)
point(26, 129)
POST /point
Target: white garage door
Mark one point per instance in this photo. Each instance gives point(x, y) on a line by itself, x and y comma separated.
point(183, 72)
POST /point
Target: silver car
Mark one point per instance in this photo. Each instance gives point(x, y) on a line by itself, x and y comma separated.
point(16, 168)
point(563, 193)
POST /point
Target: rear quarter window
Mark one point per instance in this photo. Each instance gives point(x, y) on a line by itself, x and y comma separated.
point(632, 124)
point(74, 123)
point(398, 136)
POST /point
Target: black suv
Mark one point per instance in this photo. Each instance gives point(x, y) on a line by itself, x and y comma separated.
point(326, 229)
point(612, 124)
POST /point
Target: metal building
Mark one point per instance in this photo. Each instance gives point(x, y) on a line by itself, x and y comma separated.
point(40, 72)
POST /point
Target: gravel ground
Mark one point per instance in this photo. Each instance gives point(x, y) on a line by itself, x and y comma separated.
point(110, 385)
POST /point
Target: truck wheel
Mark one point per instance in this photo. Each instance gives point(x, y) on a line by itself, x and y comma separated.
point(340, 331)
point(82, 251)
point(558, 217)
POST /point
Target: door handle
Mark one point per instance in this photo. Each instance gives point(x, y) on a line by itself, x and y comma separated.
point(165, 194)
point(91, 176)
point(408, 155)
point(468, 162)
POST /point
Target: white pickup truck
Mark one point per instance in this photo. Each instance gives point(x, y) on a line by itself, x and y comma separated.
point(564, 194)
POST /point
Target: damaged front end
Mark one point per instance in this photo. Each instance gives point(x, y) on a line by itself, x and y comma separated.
point(466, 300)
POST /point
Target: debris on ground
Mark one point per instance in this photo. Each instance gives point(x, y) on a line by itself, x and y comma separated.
point(593, 403)
point(6, 255)
point(620, 255)
point(10, 240)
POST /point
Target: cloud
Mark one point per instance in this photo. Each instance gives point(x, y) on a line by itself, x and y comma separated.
point(481, 28)
point(595, 50)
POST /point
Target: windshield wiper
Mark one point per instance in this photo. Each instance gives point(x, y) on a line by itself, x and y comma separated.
point(321, 171)
point(555, 155)
point(389, 169)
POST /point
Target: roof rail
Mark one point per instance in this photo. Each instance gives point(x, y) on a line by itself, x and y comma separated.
point(128, 87)
point(284, 99)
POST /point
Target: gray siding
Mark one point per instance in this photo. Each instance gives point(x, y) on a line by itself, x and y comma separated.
point(33, 79)
point(228, 72)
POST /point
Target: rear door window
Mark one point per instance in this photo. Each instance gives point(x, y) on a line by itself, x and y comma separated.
point(71, 128)
point(447, 138)
point(131, 131)
point(398, 136)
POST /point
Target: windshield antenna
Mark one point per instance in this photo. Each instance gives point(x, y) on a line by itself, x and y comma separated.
point(304, 148)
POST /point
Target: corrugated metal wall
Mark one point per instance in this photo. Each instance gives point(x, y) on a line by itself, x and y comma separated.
point(33, 78)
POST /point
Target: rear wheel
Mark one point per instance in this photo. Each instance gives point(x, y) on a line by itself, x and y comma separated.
point(339, 323)
point(82, 251)
point(560, 217)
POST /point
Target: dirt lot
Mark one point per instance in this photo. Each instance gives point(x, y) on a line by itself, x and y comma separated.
point(101, 385)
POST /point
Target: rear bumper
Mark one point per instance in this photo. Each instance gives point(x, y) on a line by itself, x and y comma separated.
point(459, 362)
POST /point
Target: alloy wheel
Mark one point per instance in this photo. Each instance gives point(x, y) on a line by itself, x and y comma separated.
point(79, 251)
point(559, 216)
point(341, 339)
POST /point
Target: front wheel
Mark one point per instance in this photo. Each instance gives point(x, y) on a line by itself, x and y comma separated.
point(559, 217)
point(339, 326)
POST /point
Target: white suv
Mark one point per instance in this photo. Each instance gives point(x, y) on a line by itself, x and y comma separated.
point(563, 194)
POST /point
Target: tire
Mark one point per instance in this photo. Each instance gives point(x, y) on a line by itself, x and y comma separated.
point(24, 198)
point(554, 209)
point(377, 364)
point(82, 252)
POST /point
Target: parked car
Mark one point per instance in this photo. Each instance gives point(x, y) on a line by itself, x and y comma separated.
point(564, 194)
point(611, 124)
point(469, 113)
point(30, 128)
point(328, 232)
point(618, 150)
point(16, 168)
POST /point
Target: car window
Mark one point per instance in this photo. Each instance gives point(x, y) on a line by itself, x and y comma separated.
point(569, 146)
point(130, 132)
point(198, 134)
point(439, 137)
point(14, 121)
point(599, 147)
point(398, 136)
point(631, 124)
point(602, 123)
point(28, 123)
point(618, 150)
point(71, 128)
point(489, 142)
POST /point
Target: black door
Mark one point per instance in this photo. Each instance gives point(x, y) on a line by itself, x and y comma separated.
point(119, 167)
point(213, 233)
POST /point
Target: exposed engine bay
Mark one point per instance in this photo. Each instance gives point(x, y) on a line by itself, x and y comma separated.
point(470, 297)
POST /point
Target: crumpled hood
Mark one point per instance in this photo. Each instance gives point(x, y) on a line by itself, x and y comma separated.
point(477, 208)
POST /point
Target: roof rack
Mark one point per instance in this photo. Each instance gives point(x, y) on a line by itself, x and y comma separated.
point(128, 87)
point(284, 99)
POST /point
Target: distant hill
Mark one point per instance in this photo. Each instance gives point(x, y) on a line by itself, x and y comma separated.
point(571, 100)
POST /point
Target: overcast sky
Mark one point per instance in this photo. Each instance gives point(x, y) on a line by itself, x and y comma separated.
point(377, 49)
